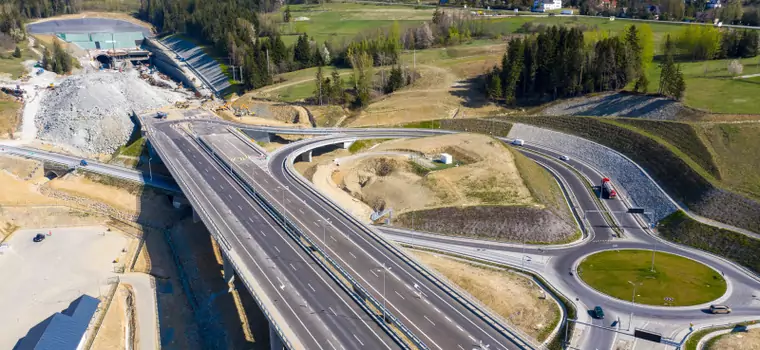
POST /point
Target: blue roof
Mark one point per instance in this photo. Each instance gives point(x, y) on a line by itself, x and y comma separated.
point(63, 330)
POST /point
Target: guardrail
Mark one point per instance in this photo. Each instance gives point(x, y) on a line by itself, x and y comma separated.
point(462, 297)
point(217, 233)
point(357, 292)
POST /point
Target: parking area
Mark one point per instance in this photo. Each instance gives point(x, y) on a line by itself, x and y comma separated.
point(38, 279)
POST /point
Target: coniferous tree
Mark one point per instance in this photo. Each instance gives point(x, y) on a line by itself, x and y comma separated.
point(336, 87)
point(17, 52)
point(320, 90)
point(286, 17)
point(302, 51)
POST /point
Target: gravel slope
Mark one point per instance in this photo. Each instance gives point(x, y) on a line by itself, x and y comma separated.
point(629, 180)
point(619, 105)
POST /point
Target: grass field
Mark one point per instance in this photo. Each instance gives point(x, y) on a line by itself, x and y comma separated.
point(710, 87)
point(338, 21)
point(686, 281)
point(8, 116)
point(12, 65)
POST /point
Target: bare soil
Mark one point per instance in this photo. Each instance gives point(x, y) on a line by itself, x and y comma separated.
point(514, 297)
point(111, 335)
point(739, 341)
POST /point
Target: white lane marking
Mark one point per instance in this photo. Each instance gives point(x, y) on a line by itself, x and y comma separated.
point(460, 346)
point(436, 309)
point(229, 195)
point(331, 345)
point(241, 208)
point(277, 249)
point(333, 238)
point(399, 294)
point(262, 233)
point(357, 339)
point(352, 254)
point(299, 209)
point(460, 328)
point(333, 311)
point(292, 267)
point(431, 322)
point(249, 219)
point(310, 287)
point(448, 319)
point(473, 339)
point(373, 272)
point(213, 177)
point(207, 171)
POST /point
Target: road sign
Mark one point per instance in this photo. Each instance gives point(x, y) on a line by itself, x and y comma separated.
point(646, 335)
point(636, 210)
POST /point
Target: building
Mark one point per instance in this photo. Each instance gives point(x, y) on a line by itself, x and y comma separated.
point(446, 158)
point(65, 330)
point(547, 5)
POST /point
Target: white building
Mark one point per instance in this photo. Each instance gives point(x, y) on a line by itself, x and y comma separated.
point(546, 5)
point(446, 158)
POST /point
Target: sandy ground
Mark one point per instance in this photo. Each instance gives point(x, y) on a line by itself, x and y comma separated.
point(487, 176)
point(440, 92)
point(111, 335)
point(16, 191)
point(739, 341)
point(67, 264)
point(514, 297)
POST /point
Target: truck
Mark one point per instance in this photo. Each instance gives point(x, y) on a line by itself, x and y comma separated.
point(607, 191)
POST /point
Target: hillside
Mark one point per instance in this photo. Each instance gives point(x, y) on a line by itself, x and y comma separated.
point(491, 191)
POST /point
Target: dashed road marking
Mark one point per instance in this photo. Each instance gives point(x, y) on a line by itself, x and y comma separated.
point(399, 294)
point(431, 322)
point(310, 287)
point(357, 339)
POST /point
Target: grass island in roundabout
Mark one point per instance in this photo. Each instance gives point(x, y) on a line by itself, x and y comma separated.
point(676, 281)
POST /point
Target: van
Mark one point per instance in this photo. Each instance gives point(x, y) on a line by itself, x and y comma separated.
point(518, 142)
point(720, 309)
point(566, 12)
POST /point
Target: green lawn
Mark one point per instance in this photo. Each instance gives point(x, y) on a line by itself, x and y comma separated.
point(710, 87)
point(344, 20)
point(134, 149)
point(14, 66)
point(686, 281)
point(737, 154)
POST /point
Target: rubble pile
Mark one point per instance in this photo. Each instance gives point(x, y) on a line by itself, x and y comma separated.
point(91, 112)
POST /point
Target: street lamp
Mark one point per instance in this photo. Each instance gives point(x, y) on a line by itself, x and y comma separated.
point(384, 268)
point(150, 169)
point(282, 203)
point(324, 224)
point(633, 300)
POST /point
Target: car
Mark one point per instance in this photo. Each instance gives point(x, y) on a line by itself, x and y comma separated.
point(518, 142)
point(598, 313)
point(720, 309)
point(564, 157)
point(38, 238)
point(83, 162)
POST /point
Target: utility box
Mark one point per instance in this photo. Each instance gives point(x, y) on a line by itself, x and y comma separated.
point(446, 158)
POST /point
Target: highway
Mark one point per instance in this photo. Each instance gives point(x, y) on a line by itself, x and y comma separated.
point(364, 255)
point(314, 312)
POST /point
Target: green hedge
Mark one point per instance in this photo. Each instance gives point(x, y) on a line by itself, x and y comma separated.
point(681, 181)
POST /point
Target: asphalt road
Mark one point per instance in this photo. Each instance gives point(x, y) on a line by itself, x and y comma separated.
point(438, 319)
point(312, 305)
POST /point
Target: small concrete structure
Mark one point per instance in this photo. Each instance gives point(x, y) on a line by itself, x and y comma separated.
point(446, 158)
point(306, 156)
point(65, 330)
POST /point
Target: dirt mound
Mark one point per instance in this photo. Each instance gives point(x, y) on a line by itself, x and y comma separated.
point(621, 105)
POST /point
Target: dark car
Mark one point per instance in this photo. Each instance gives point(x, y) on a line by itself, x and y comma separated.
point(598, 313)
point(39, 237)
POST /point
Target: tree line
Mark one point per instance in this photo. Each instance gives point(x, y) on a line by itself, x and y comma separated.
point(709, 42)
point(562, 62)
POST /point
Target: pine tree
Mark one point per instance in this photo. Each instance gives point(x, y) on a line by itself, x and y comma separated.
point(513, 71)
point(320, 88)
point(395, 81)
point(493, 84)
point(302, 51)
point(336, 87)
point(17, 52)
point(287, 16)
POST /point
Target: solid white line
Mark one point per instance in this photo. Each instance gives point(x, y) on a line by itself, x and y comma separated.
point(331, 345)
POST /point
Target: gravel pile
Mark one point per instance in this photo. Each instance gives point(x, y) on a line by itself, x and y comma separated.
point(629, 180)
point(91, 112)
point(618, 105)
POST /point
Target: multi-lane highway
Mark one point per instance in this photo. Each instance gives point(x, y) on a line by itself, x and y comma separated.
point(438, 318)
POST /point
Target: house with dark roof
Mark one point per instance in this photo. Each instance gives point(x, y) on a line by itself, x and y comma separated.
point(65, 330)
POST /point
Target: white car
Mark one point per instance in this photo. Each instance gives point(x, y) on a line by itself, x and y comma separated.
point(564, 157)
point(518, 142)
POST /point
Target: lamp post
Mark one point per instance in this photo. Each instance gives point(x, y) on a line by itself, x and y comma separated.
point(282, 203)
point(384, 268)
point(324, 224)
point(633, 300)
point(653, 251)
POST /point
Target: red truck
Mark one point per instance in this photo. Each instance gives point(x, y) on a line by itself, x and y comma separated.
point(607, 191)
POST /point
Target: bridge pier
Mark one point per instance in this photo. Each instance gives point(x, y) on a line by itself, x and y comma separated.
point(348, 144)
point(229, 271)
point(306, 157)
point(196, 218)
point(275, 343)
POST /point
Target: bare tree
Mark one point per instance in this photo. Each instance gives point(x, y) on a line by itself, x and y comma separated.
point(424, 36)
point(735, 68)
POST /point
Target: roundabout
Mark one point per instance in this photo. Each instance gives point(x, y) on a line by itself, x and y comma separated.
point(666, 280)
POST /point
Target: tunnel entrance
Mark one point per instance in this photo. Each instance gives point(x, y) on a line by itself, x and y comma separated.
point(50, 175)
point(105, 60)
